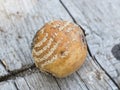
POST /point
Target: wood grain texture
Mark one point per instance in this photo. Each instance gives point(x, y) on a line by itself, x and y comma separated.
point(40, 81)
point(20, 20)
point(7, 85)
point(89, 77)
point(94, 77)
point(100, 20)
point(36, 81)
point(21, 84)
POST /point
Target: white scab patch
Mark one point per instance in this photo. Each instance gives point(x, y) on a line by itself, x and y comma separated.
point(42, 31)
point(50, 52)
point(50, 61)
point(68, 42)
point(61, 38)
point(53, 36)
point(42, 41)
point(67, 45)
point(56, 34)
point(44, 48)
point(36, 59)
point(72, 28)
point(73, 39)
point(80, 32)
point(56, 26)
point(61, 28)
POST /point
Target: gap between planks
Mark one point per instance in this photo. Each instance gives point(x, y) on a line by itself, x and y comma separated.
point(21, 72)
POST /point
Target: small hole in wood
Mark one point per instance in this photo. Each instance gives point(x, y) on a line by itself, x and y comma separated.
point(19, 36)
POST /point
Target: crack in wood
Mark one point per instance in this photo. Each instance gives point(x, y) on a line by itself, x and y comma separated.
point(57, 83)
point(72, 16)
point(94, 59)
point(82, 80)
point(21, 72)
point(27, 83)
point(16, 86)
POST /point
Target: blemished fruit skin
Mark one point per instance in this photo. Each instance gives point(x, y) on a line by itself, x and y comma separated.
point(59, 48)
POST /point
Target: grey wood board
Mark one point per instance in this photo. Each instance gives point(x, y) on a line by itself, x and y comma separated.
point(89, 77)
point(3, 71)
point(20, 21)
point(101, 21)
point(21, 83)
point(94, 77)
point(7, 85)
point(36, 81)
point(39, 81)
point(19, 26)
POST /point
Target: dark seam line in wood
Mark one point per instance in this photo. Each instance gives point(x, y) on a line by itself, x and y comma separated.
point(70, 14)
point(82, 80)
point(15, 73)
point(27, 83)
point(57, 83)
point(74, 22)
point(106, 72)
point(88, 46)
point(16, 86)
point(95, 60)
point(109, 84)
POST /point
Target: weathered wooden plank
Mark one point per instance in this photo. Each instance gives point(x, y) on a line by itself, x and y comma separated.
point(72, 82)
point(35, 80)
point(39, 81)
point(21, 26)
point(7, 85)
point(20, 20)
point(18, 28)
point(89, 77)
point(118, 80)
point(94, 77)
point(100, 20)
point(21, 84)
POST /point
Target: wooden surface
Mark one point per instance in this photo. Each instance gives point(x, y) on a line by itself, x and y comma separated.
point(20, 20)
